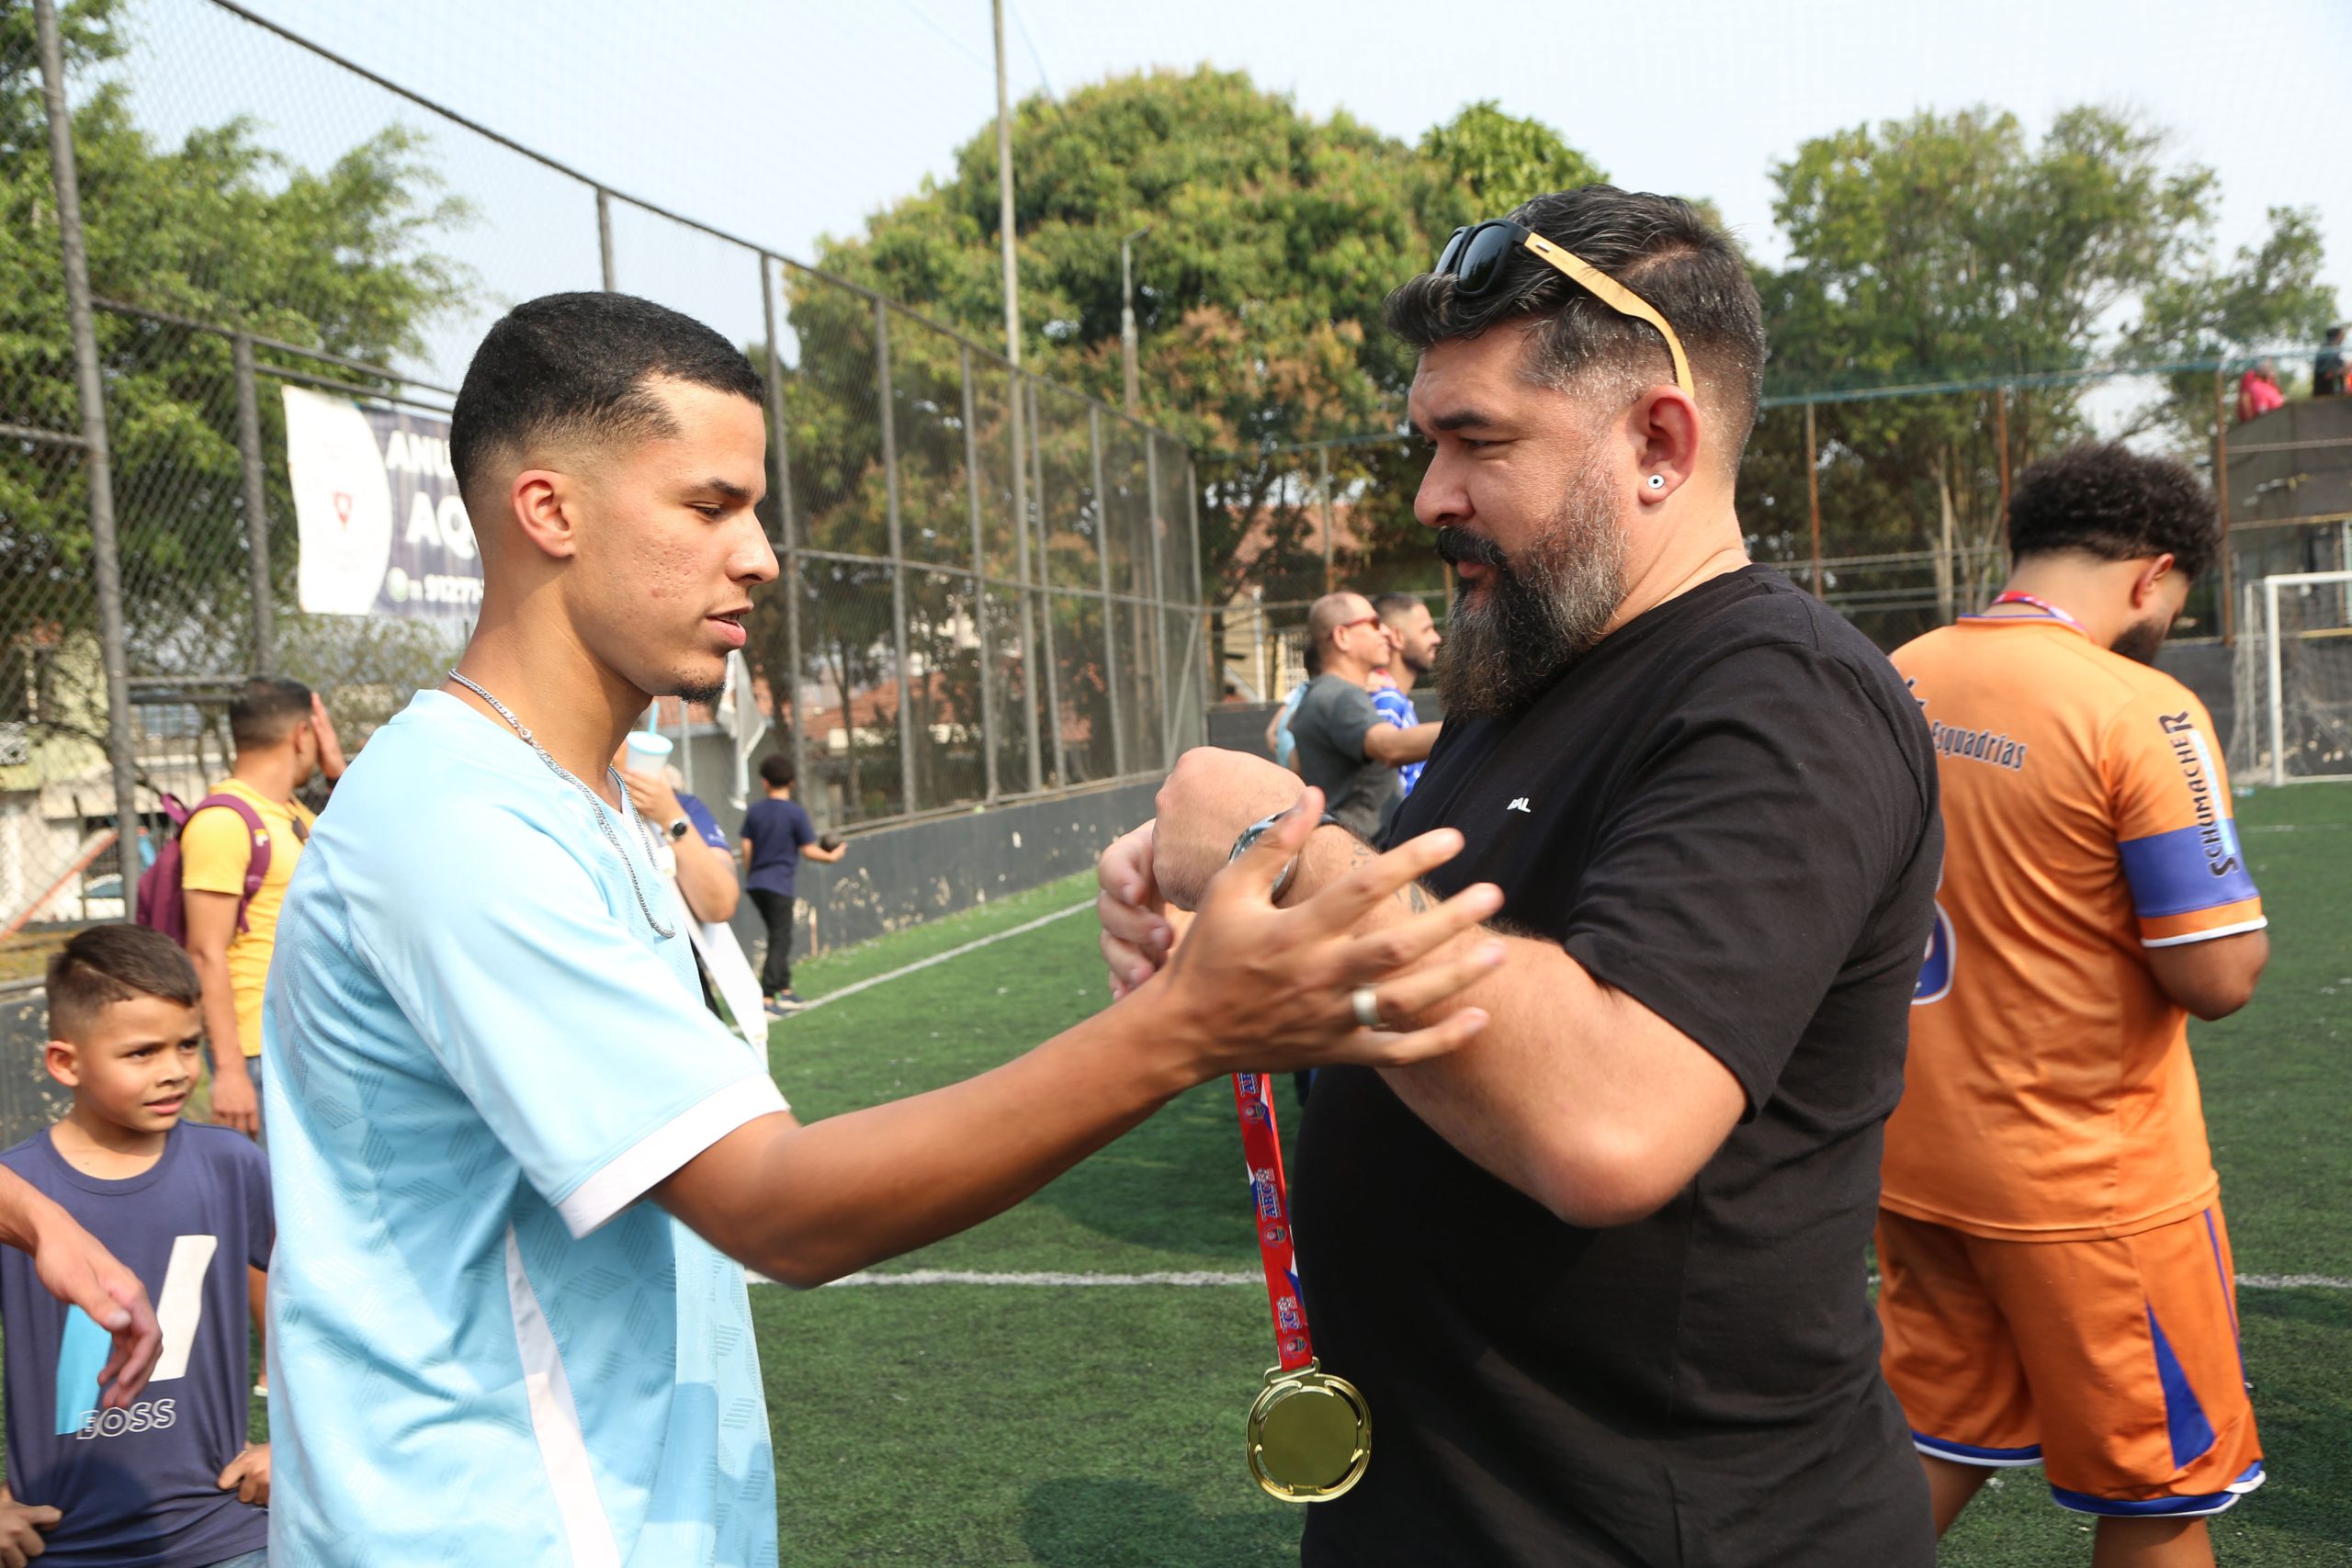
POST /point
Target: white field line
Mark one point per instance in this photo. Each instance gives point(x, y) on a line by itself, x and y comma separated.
point(1199, 1277)
point(1191, 1277)
point(1195, 1278)
point(904, 970)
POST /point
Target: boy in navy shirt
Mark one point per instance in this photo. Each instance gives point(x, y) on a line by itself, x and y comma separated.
point(776, 834)
point(168, 1482)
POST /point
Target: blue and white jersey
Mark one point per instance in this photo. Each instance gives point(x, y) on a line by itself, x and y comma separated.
point(484, 1348)
point(1398, 709)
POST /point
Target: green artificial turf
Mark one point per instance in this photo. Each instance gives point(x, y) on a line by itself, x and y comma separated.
point(1070, 1426)
point(958, 1424)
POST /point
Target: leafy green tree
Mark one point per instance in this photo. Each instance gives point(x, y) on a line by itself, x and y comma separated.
point(1275, 237)
point(1498, 160)
point(217, 229)
point(2268, 296)
point(1952, 248)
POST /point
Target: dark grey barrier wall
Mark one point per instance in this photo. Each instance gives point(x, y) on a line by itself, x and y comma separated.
point(903, 876)
point(1241, 727)
point(896, 877)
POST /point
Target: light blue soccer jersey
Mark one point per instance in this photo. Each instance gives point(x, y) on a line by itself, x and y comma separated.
point(484, 1346)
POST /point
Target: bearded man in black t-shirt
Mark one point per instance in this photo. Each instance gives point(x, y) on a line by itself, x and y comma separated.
point(1602, 1275)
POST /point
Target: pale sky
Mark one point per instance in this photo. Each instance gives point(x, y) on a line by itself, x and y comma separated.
point(784, 122)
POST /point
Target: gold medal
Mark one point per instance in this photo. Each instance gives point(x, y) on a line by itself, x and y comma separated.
point(1310, 1435)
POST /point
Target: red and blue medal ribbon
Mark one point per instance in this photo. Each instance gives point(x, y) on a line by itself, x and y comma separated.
point(1262, 1151)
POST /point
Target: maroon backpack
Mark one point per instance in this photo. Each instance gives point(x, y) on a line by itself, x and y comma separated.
point(161, 904)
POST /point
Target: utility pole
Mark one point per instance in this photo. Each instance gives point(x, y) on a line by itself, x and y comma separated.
point(1127, 321)
point(1004, 199)
point(1016, 396)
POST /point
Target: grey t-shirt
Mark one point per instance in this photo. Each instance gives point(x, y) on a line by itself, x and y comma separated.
point(1330, 727)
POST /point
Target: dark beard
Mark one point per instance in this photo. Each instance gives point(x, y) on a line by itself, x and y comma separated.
point(2142, 640)
point(1506, 647)
point(707, 695)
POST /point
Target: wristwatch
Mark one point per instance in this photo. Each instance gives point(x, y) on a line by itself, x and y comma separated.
point(680, 829)
point(1258, 830)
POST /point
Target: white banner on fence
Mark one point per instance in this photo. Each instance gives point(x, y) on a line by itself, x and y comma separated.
point(382, 530)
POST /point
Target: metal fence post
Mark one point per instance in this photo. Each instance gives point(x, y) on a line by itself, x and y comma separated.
point(1323, 469)
point(2221, 411)
point(1014, 400)
point(898, 559)
point(265, 661)
point(604, 234)
point(1153, 524)
point(1812, 495)
point(91, 390)
point(1210, 688)
point(788, 530)
point(1110, 611)
point(980, 584)
point(1045, 588)
point(2273, 694)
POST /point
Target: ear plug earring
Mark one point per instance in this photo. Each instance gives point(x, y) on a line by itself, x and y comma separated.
point(1657, 481)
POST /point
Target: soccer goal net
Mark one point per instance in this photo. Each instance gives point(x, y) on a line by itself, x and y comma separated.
point(2294, 680)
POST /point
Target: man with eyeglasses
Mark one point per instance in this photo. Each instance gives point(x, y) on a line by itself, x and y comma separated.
point(1601, 1276)
point(1347, 747)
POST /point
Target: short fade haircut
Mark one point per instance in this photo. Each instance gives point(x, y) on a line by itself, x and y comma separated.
point(1396, 606)
point(107, 964)
point(575, 365)
point(2105, 500)
point(266, 710)
point(1663, 249)
point(777, 772)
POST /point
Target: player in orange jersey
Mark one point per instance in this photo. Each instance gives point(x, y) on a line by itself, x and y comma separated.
point(2056, 1279)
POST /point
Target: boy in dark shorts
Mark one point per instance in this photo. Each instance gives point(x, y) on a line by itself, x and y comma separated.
point(168, 1482)
point(776, 835)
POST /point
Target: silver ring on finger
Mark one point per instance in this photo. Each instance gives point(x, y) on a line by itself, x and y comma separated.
point(1366, 1001)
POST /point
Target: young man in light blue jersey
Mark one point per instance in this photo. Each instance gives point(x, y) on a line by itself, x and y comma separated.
point(487, 1052)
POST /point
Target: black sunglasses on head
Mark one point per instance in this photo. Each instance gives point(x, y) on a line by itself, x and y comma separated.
point(1474, 257)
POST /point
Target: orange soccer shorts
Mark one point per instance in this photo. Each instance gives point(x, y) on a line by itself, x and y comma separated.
point(2112, 1363)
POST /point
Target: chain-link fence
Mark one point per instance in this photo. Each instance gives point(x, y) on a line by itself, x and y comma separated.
point(990, 586)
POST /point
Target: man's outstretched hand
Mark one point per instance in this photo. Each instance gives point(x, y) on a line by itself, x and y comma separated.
point(78, 1271)
point(1272, 990)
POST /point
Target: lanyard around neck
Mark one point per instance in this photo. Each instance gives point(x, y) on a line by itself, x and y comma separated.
point(2015, 596)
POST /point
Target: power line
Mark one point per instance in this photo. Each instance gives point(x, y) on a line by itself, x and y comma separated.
point(953, 41)
point(1036, 59)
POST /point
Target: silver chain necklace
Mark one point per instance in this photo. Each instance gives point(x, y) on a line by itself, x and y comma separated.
point(653, 850)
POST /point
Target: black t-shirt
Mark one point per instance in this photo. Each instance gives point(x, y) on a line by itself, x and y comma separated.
point(1330, 727)
point(1727, 810)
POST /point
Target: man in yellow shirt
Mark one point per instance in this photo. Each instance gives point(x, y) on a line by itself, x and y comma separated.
point(283, 737)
